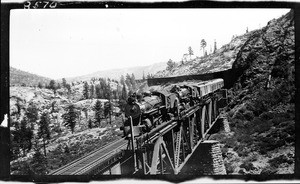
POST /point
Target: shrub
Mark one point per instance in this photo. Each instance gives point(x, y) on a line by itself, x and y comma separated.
point(266, 144)
point(290, 139)
point(279, 143)
point(234, 122)
point(224, 150)
point(266, 115)
point(229, 168)
point(250, 106)
point(268, 170)
point(259, 126)
point(253, 157)
point(244, 138)
point(229, 142)
point(242, 150)
point(278, 120)
point(247, 165)
point(238, 115)
point(242, 171)
point(264, 127)
point(249, 115)
point(275, 162)
point(290, 128)
point(265, 100)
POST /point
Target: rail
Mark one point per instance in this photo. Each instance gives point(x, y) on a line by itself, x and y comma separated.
point(82, 164)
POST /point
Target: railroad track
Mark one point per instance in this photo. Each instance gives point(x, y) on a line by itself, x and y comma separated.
point(87, 163)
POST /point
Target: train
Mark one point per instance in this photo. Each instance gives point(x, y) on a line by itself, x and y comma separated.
point(150, 109)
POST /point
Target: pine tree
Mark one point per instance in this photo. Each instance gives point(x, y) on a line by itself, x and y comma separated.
point(52, 86)
point(40, 85)
point(18, 107)
point(170, 65)
point(144, 78)
point(122, 80)
point(90, 125)
point(107, 91)
point(92, 91)
point(86, 90)
point(128, 81)
point(215, 46)
point(203, 45)
point(98, 112)
point(124, 93)
point(103, 88)
point(39, 162)
point(64, 82)
point(32, 114)
point(58, 86)
point(53, 106)
point(15, 141)
point(70, 117)
point(23, 136)
point(133, 82)
point(114, 94)
point(44, 130)
point(107, 110)
point(98, 91)
point(191, 52)
point(68, 86)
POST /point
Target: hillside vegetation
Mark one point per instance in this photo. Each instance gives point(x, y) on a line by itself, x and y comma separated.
point(21, 78)
point(262, 108)
point(261, 112)
point(53, 126)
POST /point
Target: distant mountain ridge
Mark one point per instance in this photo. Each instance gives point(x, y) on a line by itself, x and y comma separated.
point(22, 78)
point(138, 72)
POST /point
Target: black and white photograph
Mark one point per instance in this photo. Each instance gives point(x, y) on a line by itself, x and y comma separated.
point(137, 92)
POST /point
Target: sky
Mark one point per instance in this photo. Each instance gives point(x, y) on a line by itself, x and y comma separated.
point(59, 43)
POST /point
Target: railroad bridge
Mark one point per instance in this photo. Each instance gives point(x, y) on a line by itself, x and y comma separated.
point(176, 146)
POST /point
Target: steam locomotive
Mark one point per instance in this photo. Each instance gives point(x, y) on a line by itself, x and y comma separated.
point(148, 110)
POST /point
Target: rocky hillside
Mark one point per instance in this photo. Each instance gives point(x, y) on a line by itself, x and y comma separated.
point(21, 78)
point(116, 73)
point(221, 60)
point(87, 136)
point(261, 113)
point(228, 54)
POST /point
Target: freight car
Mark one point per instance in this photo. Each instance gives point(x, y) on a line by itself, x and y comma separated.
point(151, 109)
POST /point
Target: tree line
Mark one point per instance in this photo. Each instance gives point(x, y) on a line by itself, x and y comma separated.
point(171, 64)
